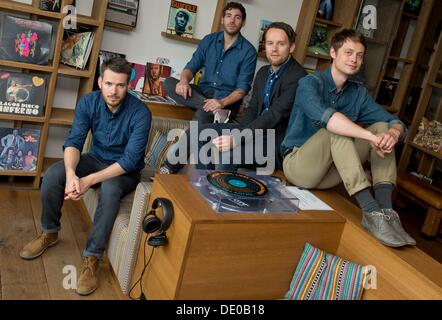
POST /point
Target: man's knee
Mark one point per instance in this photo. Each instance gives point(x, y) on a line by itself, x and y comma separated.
point(111, 189)
point(55, 174)
point(378, 127)
point(170, 84)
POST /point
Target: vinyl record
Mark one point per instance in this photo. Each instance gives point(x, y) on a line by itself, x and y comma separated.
point(237, 184)
point(226, 204)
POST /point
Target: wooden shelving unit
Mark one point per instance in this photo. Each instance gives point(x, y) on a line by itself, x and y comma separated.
point(52, 115)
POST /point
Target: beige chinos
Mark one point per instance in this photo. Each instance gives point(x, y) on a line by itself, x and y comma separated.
point(327, 159)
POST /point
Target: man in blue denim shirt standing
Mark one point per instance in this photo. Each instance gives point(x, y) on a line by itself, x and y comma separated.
point(326, 141)
point(120, 125)
point(229, 62)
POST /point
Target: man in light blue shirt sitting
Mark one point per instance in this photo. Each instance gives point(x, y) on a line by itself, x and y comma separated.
point(334, 128)
point(229, 62)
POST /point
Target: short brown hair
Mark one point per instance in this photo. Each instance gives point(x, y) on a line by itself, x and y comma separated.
point(117, 65)
point(291, 34)
point(235, 5)
point(339, 38)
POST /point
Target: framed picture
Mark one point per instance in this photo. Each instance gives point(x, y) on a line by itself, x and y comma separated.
point(123, 12)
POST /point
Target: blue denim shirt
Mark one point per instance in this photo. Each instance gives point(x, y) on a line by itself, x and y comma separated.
point(117, 137)
point(225, 71)
point(317, 99)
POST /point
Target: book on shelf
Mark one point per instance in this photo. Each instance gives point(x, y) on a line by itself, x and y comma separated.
point(76, 48)
point(19, 149)
point(181, 20)
point(22, 93)
point(387, 90)
point(263, 27)
point(154, 80)
point(319, 40)
point(326, 9)
point(25, 40)
point(137, 78)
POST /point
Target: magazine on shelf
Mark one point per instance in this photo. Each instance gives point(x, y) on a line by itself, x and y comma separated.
point(263, 27)
point(25, 40)
point(155, 76)
point(22, 93)
point(152, 98)
point(181, 19)
point(123, 12)
point(137, 78)
point(319, 40)
point(76, 48)
point(363, 24)
point(19, 149)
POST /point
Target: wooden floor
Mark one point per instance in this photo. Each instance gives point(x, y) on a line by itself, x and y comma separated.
point(42, 278)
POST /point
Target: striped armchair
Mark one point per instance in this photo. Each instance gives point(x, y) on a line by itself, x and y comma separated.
point(126, 234)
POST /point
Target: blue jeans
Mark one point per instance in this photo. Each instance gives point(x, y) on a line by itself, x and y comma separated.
point(112, 191)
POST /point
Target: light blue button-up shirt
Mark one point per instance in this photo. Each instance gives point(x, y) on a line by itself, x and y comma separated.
point(317, 99)
point(224, 71)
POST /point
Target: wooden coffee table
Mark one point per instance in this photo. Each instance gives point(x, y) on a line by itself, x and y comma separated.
point(228, 256)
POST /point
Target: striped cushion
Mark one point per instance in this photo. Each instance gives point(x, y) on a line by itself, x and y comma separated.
point(323, 276)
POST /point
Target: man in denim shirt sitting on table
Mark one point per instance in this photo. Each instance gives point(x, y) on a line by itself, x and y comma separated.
point(324, 143)
point(120, 125)
point(229, 62)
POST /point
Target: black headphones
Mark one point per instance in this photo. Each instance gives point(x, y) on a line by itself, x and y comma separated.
point(152, 223)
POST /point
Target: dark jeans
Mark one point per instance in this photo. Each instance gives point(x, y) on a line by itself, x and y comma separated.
point(196, 101)
point(112, 191)
point(247, 151)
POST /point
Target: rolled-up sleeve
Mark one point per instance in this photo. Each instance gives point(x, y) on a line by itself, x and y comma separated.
point(80, 127)
point(247, 71)
point(136, 145)
point(309, 100)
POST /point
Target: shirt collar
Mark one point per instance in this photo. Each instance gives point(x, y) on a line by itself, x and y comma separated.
point(238, 42)
point(331, 85)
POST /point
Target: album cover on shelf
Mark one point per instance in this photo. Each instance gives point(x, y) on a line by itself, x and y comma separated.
point(25, 40)
point(413, 6)
point(319, 40)
point(76, 48)
point(137, 77)
point(326, 9)
point(387, 90)
point(181, 19)
point(263, 27)
point(50, 5)
point(123, 12)
point(233, 192)
point(22, 94)
point(19, 149)
point(152, 98)
point(155, 76)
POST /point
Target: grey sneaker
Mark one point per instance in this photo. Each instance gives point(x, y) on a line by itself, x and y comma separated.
point(377, 223)
point(395, 222)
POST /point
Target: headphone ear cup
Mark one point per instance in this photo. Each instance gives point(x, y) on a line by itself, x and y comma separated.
point(151, 223)
point(158, 240)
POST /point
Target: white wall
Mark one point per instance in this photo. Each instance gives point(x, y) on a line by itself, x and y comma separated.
point(145, 43)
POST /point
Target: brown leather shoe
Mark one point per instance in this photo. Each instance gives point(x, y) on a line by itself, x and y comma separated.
point(37, 246)
point(88, 280)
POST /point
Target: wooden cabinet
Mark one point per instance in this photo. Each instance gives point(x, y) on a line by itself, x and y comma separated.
point(53, 115)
